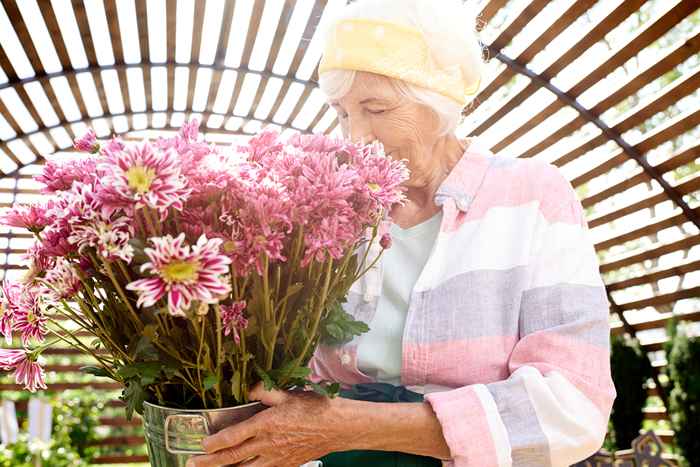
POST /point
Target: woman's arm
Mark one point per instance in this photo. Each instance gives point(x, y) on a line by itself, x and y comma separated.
point(404, 427)
point(553, 408)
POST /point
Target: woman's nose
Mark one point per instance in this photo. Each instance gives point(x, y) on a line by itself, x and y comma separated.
point(360, 132)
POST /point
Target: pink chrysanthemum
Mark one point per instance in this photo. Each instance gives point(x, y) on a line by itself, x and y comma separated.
point(182, 272)
point(62, 280)
point(29, 317)
point(31, 217)
point(87, 142)
point(9, 300)
point(30, 374)
point(233, 319)
point(141, 177)
point(59, 176)
point(10, 358)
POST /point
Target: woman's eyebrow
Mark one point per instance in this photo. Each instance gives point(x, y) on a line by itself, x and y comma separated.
point(374, 100)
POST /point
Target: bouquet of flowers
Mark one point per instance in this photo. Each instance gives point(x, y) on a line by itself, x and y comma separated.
point(198, 272)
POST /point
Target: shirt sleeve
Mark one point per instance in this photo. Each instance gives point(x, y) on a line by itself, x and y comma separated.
point(553, 408)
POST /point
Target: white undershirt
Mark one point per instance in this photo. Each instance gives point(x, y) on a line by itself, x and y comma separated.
point(379, 353)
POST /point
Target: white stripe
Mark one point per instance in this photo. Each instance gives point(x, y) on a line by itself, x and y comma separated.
point(573, 425)
point(499, 434)
point(508, 237)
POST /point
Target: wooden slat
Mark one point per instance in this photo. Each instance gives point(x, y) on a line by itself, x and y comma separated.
point(683, 156)
point(197, 25)
point(119, 459)
point(253, 26)
point(662, 24)
point(119, 441)
point(657, 274)
point(682, 51)
point(118, 49)
point(663, 99)
point(537, 45)
point(171, 15)
point(142, 24)
point(224, 34)
point(659, 135)
point(661, 299)
point(66, 386)
point(17, 22)
point(661, 322)
point(624, 9)
point(642, 231)
point(688, 186)
point(272, 55)
point(311, 24)
point(84, 27)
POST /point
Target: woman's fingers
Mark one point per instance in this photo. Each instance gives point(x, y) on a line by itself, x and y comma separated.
point(230, 455)
point(230, 436)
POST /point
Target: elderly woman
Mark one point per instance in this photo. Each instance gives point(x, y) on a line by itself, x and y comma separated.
point(488, 314)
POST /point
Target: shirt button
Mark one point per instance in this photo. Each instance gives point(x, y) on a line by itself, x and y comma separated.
point(345, 359)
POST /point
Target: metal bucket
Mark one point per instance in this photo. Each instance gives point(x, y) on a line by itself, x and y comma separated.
point(174, 435)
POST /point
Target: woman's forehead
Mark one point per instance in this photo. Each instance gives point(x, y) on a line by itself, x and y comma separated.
point(371, 87)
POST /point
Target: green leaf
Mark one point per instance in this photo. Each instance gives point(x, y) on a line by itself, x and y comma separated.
point(325, 388)
point(339, 327)
point(292, 373)
point(145, 372)
point(266, 379)
point(144, 350)
point(236, 385)
point(134, 395)
point(94, 370)
point(210, 381)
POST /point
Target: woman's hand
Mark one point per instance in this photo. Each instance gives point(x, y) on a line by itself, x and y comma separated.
point(297, 428)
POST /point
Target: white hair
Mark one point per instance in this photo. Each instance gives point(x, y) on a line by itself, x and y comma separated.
point(449, 29)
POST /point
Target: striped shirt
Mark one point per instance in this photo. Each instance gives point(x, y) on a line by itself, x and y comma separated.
point(507, 327)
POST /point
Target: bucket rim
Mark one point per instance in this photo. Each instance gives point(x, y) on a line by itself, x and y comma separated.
point(163, 407)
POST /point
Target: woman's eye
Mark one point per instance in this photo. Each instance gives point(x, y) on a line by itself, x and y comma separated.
point(376, 112)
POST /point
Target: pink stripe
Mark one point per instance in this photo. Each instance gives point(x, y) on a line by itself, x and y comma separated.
point(464, 426)
point(518, 184)
point(586, 366)
point(479, 360)
point(326, 364)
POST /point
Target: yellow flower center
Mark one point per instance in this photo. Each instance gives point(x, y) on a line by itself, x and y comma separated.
point(229, 246)
point(181, 271)
point(140, 178)
point(373, 187)
point(31, 317)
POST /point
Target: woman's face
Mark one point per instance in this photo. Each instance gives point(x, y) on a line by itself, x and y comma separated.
point(374, 110)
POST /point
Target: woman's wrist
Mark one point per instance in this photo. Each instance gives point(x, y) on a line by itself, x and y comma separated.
point(404, 427)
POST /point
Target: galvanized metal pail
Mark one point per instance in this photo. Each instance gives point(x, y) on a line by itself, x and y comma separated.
point(174, 435)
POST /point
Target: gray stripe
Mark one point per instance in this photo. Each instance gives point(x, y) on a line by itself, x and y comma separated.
point(473, 304)
point(487, 302)
point(529, 445)
point(580, 311)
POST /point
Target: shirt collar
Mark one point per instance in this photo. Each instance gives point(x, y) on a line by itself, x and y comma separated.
point(465, 178)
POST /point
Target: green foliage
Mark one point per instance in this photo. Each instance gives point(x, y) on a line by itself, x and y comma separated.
point(74, 422)
point(58, 453)
point(339, 327)
point(684, 401)
point(631, 369)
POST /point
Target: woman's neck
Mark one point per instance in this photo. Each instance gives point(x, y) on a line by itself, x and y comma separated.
point(421, 188)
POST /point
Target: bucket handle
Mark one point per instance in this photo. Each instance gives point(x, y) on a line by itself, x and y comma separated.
point(166, 429)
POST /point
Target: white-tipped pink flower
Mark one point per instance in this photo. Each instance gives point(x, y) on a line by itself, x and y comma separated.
point(183, 273)
point(29, 317)
point(28, 372)
point(233, 319)
point(9, 300)
point(87, 142)
point(62, 280)
point(144, 177)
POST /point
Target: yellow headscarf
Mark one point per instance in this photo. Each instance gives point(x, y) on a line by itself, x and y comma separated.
point(395, 51)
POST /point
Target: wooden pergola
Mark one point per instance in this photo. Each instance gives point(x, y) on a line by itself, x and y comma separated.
point(138, 66)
